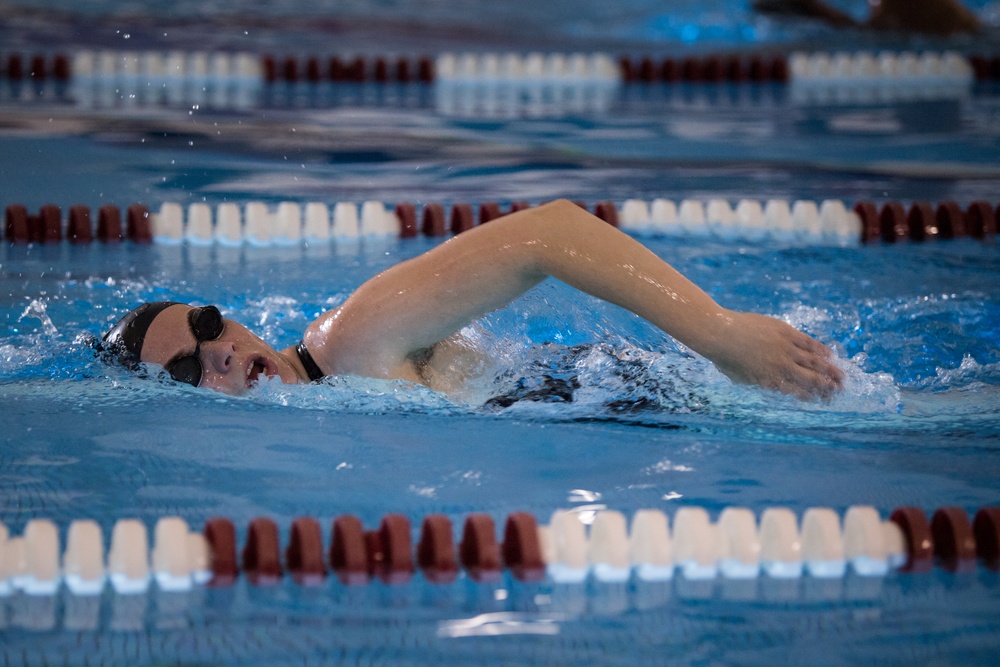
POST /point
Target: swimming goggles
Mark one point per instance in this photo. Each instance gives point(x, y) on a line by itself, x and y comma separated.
point(206, 325)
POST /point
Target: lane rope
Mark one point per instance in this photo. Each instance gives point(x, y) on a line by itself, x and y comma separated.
point(803, 222)
point(574, 546)
point(850, 68)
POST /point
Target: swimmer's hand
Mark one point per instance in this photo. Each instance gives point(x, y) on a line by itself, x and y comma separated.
point(756, 349)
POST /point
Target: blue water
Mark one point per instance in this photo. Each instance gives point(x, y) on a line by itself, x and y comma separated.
point(917, 424)
point(915, 328)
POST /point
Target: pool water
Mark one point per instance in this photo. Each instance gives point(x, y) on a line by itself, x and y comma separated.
point(915, 327)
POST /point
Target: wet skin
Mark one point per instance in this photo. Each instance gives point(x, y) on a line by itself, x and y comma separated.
point(231, 364)
point(392, 322)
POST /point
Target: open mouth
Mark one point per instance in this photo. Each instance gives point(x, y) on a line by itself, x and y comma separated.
point(254, 371)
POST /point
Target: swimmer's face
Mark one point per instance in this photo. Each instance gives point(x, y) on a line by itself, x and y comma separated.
point(231, 363)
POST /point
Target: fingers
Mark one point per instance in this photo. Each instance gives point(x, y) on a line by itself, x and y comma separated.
point(816, 356)
point(777, 356)
point(821, 366)
point(816, 383)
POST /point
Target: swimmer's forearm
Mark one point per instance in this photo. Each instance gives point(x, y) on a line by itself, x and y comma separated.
point(587, 253)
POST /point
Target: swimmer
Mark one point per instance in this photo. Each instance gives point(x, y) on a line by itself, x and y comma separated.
point(936, 17)
point(402, 324)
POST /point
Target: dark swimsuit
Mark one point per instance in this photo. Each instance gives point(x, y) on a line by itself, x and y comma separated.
point(312, 370)
point(420, 360)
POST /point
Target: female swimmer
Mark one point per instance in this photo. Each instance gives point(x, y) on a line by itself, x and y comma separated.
point(401, 324)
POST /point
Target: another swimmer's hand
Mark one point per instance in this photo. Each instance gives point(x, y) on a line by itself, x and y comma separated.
point(756, 349)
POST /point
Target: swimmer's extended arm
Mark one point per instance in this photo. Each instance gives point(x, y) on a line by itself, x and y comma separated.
point(426, 299)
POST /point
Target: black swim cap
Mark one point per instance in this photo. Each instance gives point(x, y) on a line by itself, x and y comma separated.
point(123, 342)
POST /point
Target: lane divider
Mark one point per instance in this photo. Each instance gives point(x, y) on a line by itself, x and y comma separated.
point(483, 84)
point(882, 68)
point(566, 550)
point(829, 222)
point(340, 69)
point(853, 68)
point(491, 67)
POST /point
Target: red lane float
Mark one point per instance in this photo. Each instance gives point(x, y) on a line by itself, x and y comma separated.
point(15, 69)
point(461, 218)
point(950, 220)
point(49, 227)
point(522, 551)
point(893, 222)
point(479, 552)
point(407, 215)
point(871, 227)
point(986, 68)
point(922, 222)
point(433, 220)
point(16, 224)
point(709, 69)
point(220, 534)
point(109, 224)
point(393, 562)
point(78, 229)
point(436, 550)
point(607, 212)
point(349, 551)
point(986, 529)
point(954, 542)
point(261, 555)
point(919, 540)
point(304, 556)
point(39, 67)
point(489, 211)
point(137, 225)
point(338, 70)
point(980, 220)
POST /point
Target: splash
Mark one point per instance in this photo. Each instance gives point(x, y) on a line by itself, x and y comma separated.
point(38, 310)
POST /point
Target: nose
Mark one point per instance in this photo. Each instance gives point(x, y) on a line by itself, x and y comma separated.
point(218, 356)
